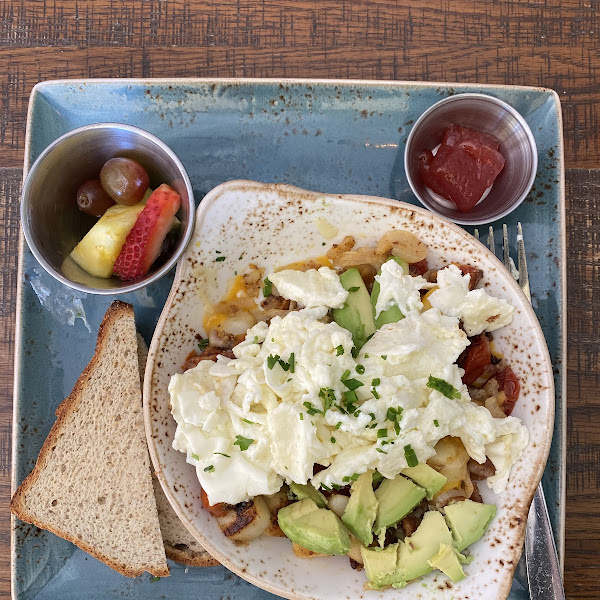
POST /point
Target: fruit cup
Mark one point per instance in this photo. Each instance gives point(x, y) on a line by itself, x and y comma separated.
point(52, 223)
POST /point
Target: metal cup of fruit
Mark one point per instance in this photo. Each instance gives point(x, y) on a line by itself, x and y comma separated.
point(133, 221)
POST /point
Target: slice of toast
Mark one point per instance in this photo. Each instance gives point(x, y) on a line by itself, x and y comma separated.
point(91, 484)
point(180, 544)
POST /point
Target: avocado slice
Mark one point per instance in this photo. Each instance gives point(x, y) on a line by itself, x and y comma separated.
point(423, 545)
point(361, 509)
point(392, 314)
point(396, 497)
point(306, 490)
point(317, 529)
point(426, 477)
point(356, 315)
point(468, 521)
point(447, 560)
point(381, 565)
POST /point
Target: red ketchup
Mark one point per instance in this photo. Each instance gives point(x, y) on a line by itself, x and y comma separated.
point(465, 165)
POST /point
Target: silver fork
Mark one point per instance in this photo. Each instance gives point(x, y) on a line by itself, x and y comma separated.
point(543, 569)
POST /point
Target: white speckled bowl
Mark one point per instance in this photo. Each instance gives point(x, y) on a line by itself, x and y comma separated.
point(273, 225)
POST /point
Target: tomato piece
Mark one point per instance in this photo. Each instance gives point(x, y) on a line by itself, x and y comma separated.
point(478, 356)
point(418, 268)
point(216, 510)
point(508, 383)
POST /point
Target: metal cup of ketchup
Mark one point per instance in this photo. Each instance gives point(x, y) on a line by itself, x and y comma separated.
point(471, 158)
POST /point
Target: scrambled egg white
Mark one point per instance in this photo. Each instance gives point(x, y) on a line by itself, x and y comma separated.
point(251, 423)
point(312, 288)
point(478, 310)
point(400, 289)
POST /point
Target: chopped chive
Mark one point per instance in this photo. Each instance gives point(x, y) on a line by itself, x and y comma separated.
point(339, 350)
point(376, 382)
point(352, 384)
point(354, 288)
point(345, 375)
point(384, 356)
point(220, 258)
point(195, 456)
point(436, 423)
point(209, 469)
point(444, 388)
point(302, 416)
point(285, 366)
point(332, 440)
point(249, 422)
point(338, 424)
point(410, 455)
point(375, 393)
point(381, 433)
point(268, 288)
point(328, 397)
point(381, 451)
point(311, 410)
point(325, 487)
point(217, 251)
point(242, 442)
point(350, 397)
point(155, 579)
point(203, 344)
point(366, 356)
point(397, 428)
point(336, 486)
point(292, 362)
point(360, 369)
point(272, 360)
point(222, 454)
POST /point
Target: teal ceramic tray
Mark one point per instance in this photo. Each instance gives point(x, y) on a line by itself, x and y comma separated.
point(338, 137)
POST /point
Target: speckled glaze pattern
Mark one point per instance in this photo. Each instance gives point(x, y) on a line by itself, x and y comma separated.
point(272, 226)
point(332, 136)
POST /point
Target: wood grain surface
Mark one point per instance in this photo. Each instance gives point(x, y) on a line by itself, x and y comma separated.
point(549, 43)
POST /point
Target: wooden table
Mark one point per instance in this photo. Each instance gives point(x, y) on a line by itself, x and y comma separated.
point(550, 43)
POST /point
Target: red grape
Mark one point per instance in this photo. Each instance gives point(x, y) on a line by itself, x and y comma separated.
point(124, 180)
point(92, 199)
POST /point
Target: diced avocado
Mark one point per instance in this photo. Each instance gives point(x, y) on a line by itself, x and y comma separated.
point(396, 497)
point(392, 314)
point(306, 490)
point(447, 561)
point(468, 521)
point(361, 509)
point(97, 252)
point(426, 477)
point(356, 315)
point(381, 565)
point(423, 545)
point(317, 529)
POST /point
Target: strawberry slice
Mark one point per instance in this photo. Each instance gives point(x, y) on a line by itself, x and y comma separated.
point(144, 241)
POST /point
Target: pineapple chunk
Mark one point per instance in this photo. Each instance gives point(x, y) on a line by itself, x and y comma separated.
point(97, 252)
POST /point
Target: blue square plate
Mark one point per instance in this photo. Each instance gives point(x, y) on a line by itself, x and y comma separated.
point(342, 137)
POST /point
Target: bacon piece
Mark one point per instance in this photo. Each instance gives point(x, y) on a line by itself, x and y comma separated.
point(209, 353)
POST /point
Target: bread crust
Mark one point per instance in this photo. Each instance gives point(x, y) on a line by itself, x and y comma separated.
point(190, 557)
point(117, 310)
